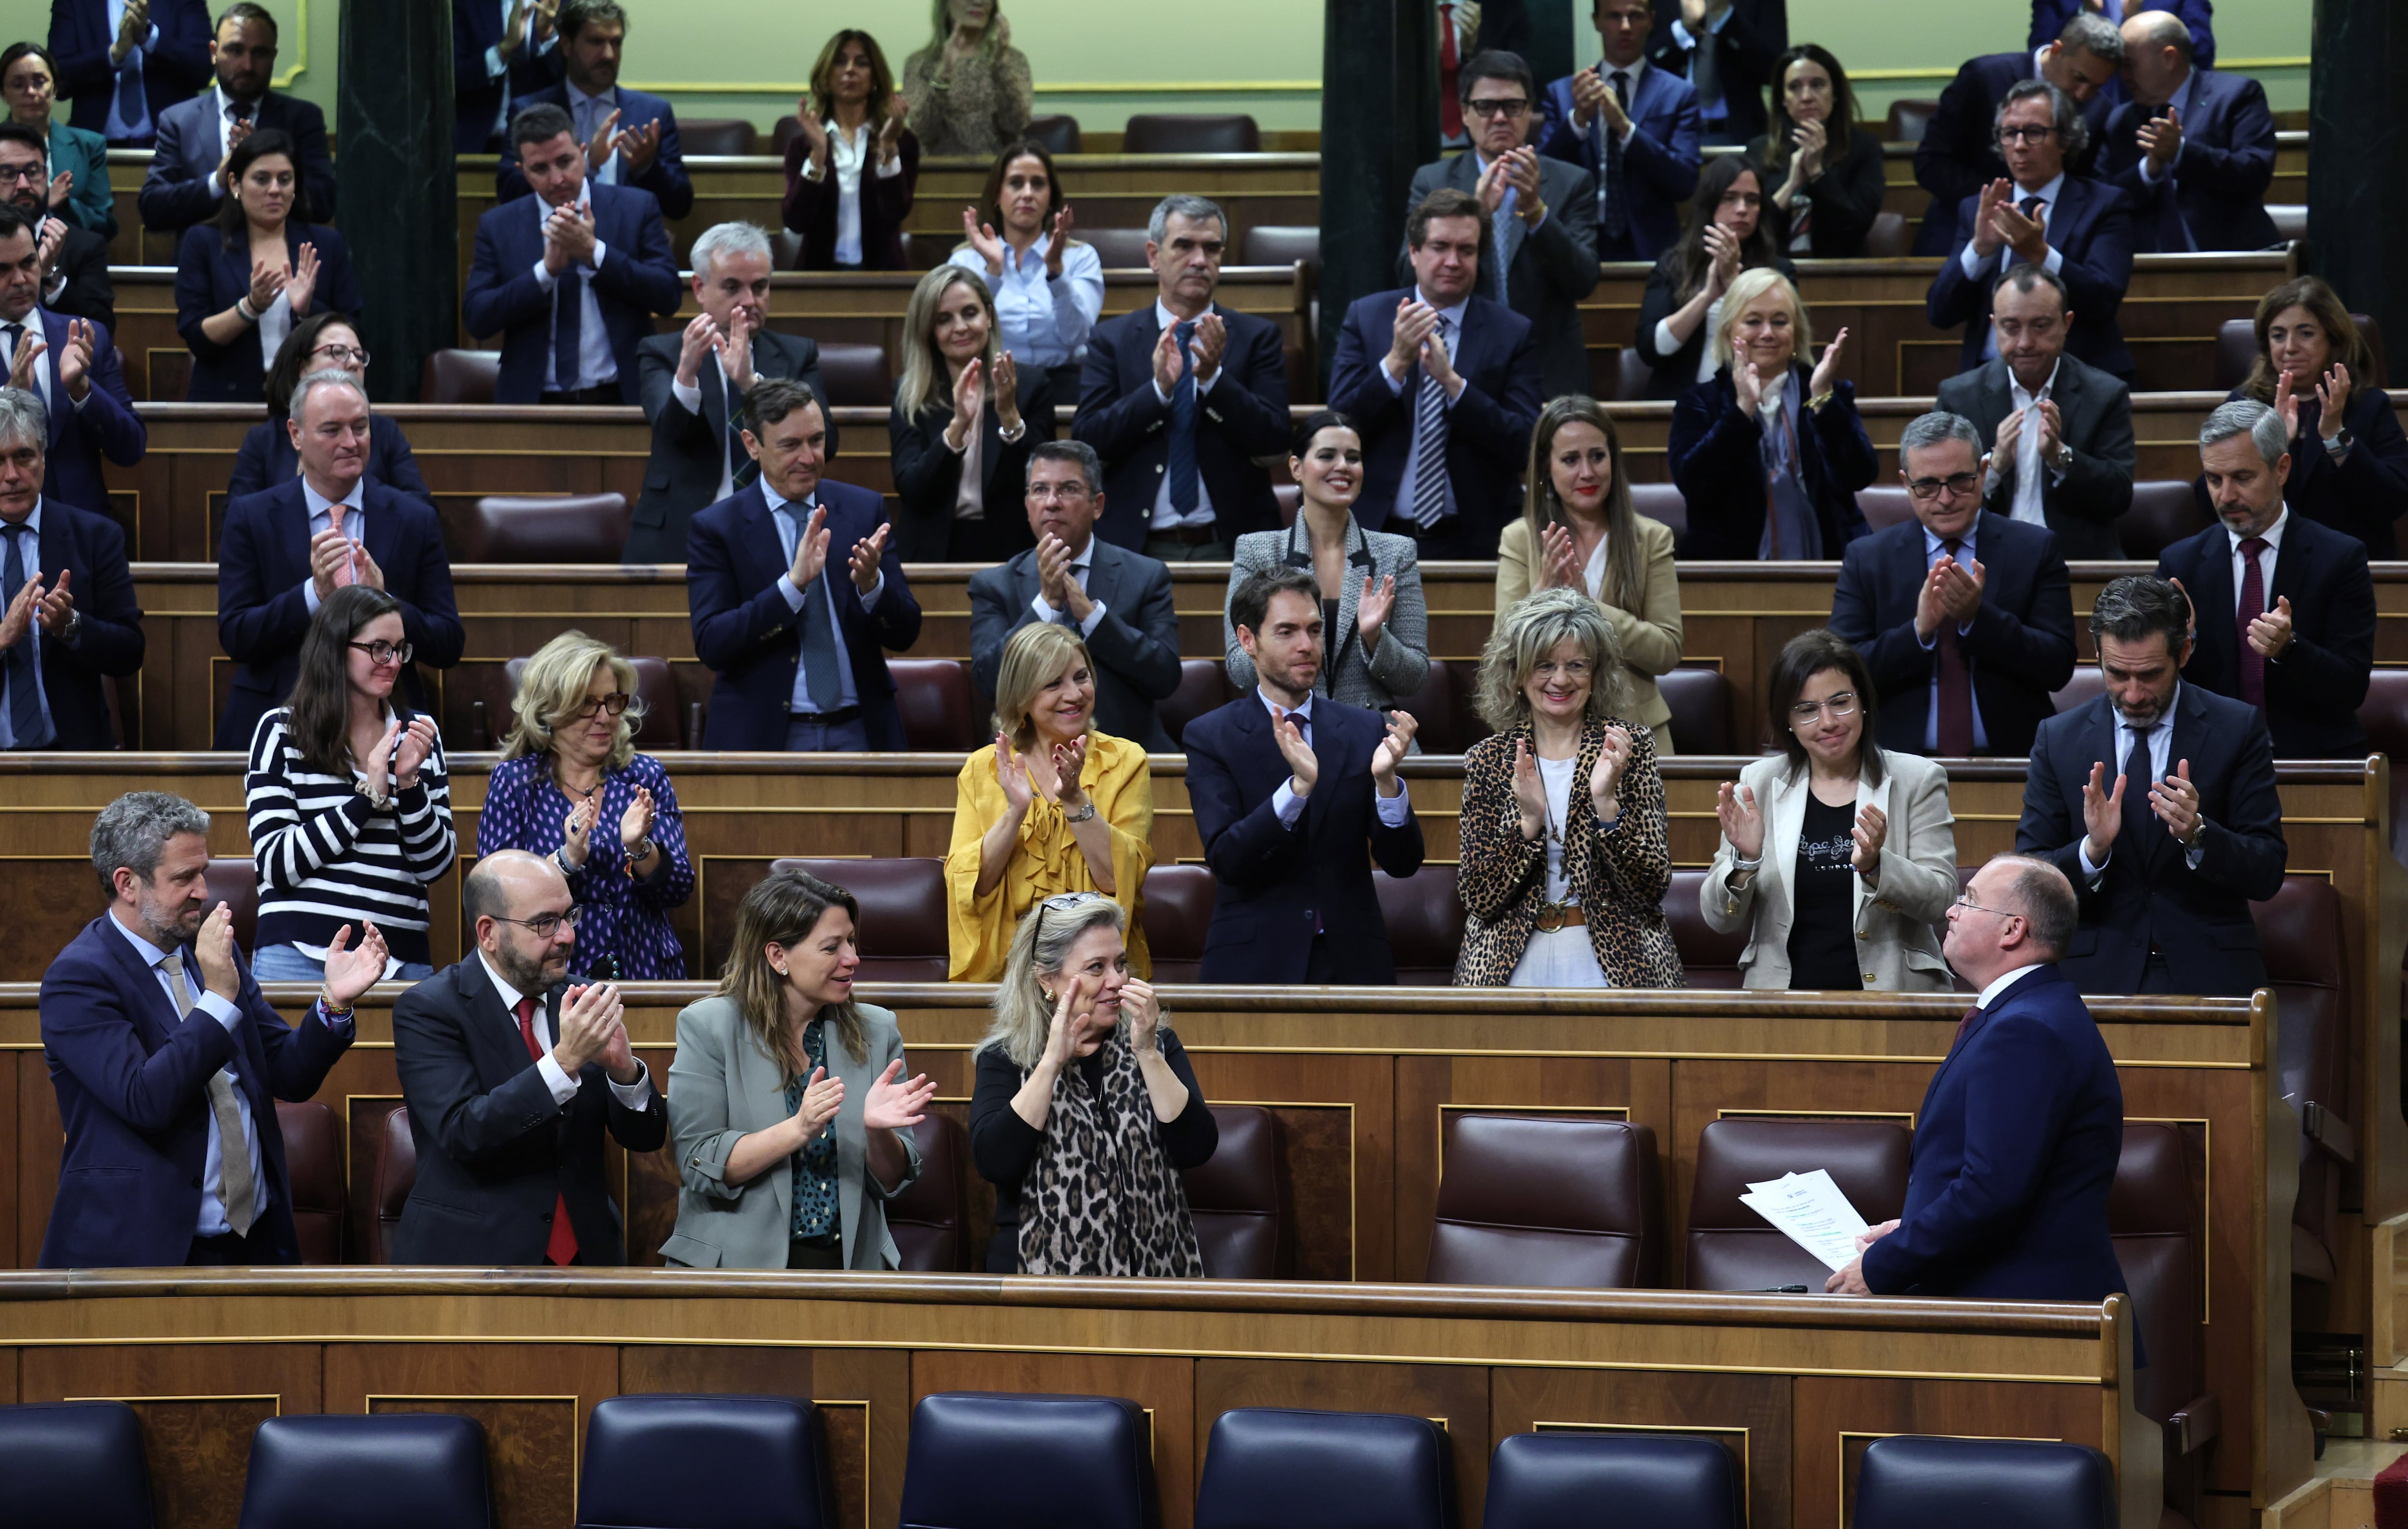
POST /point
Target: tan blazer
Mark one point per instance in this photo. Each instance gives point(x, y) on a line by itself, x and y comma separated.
point(1650, 637)
point(1896, 948)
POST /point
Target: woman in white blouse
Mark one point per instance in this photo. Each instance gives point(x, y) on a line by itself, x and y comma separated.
point(850, 171)
point(1048, 287)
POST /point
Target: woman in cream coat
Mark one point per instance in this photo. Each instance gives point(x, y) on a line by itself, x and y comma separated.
point(787, 1110)
point(1838, 857)
point(1578, 531)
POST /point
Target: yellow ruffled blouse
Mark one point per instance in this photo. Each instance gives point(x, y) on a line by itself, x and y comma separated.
point(980, 930)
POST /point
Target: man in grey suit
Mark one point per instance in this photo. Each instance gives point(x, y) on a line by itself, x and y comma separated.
point(1118, 600)
point(1541, 235)
point(2062, 450)
point(693, 385)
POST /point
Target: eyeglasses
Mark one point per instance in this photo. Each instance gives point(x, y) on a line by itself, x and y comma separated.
point(2026, 135)
point(1964, 901)
point(615, 703)
point(1505, 106)
point(1958, 484)
point(1842, 705)
point(1064, 902)
point(543, 926)
point(1062, 492)
point(34, 173)
point(381, 653)
point(1577, 669)
point(343, 356)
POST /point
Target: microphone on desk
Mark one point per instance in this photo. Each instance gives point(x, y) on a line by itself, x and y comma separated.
point(1783, 1289)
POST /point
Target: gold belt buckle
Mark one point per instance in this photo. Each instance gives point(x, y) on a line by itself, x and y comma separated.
point(1551, 918)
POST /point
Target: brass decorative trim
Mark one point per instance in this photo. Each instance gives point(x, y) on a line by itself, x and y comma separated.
point(1904, 1118)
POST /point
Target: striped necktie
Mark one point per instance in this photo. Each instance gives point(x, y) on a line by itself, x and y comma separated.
point(1429, 442)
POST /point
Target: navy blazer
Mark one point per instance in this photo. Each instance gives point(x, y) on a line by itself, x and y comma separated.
point(191, 144)
point(269, 458)
point(2021, 643)
point(1755, 34)
point(1135, 647)
point(132, 1088)
point(2314, 691)
point(91, 548)
point(496, 1154)
point(2014, 1152)
point(105, 426)
point(746, 633)
point(264, 562)
point(89, 293)
point(1659, 160)
point(172, 68)
point(476, 99)
point(1673, 375)
point(929, 473)
point(1488, 428)
point(681, 477)
point(1717, 454)
point(1268, 877)
point(212, 275)
point(639, 278)
point(1958, 154)
point(2048, 18)
point(1244, 418)
point(1554, 266)
point(2148, 893)
point(2217, 189)
point(666, 179)
point(2091, 229)
point(2363, 495)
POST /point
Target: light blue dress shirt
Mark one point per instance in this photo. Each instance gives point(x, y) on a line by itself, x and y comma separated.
point(2161, 744)
point(117, 125)
point(1983, 269)
point(1452, 332)
point(595, 364)
point(1045, 324)
point(788, 515)
point(1394, 810)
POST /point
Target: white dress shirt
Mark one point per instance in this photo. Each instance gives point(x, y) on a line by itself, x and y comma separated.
point(322, 518)
point(636, 1096)
point(1082, 562)
point(1989, 994)
point(1668, 343)
point(1164, 516)
point(2161, 744)
point(847, 152)
point(2030, 472)
point(33, 328)
point(2181, 104)
point(226, 137)
point(496, 67)
point(1982, 268)
point(1394, 810)
point(2273, 535)
point(595, 364)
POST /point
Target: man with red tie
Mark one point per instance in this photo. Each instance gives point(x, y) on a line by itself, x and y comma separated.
point(1466, 27)
point(511, 1077)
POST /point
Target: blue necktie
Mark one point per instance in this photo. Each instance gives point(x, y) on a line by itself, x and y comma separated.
point(1429, 442)
point(25, 717)
point(131, 107)
point(567, 322)
point(820, 680)
point(1183, 424)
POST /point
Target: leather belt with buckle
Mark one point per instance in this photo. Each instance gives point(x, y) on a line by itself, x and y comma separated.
point(1556, 916)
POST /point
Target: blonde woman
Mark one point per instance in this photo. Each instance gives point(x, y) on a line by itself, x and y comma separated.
point(1050, 806)
point(1578, 531)
point(1085, 1111)
point(964, 422)
point(788, 1112)
point(570, 767)
point(969, 89)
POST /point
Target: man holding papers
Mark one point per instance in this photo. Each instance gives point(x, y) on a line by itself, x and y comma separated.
point(2016, 1143)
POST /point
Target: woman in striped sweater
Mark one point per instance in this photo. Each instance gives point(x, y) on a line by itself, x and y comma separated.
point(350, 806)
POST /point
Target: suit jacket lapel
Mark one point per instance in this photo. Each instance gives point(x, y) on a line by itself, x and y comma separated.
point(54, 333)
point(1350, 595)
point(2293, 560)
point(2214, 605)
point(1103, 572)
point(1785, 818)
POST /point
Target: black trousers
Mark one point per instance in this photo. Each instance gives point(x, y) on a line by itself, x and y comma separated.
point(232, 1250)
point(814, 1255)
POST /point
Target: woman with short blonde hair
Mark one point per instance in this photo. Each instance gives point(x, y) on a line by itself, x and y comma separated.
point(964, 422)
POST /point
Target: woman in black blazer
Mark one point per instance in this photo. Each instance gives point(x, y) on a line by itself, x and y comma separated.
point(1726, 235)
point(244, 279)
point(320, 342)
point(1769, 456)
point(960, 489)
point(852, 153)
point(1826, 171)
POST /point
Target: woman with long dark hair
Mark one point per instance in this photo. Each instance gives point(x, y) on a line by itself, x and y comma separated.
point(77, 159)
point(244, 279)
point(1048, 287)
point(2349, 458)
point(850, 171)
point(965, 416)
point(1826, 170)
point(1682, 307)
point(323, 341)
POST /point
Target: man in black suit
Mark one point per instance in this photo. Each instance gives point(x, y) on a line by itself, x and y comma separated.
point(1118, 600)
point(1746, 35)
point(2158, 802)
point(630, 137)
point(2193, 151)
point(1288, 788)
point(1542, 215)
point(1465, 30)
point(2301, 642)
point(1444, 385)
point(1180, 398)
point(502, 51)
point(1964, 619)
point(71, 366)
point(74, 261)
point(124, 65)
point(1959, 153)
point(67, 616)
point(2060, 430)
point(694, 385)
point(511, 1077)
point(187, 181)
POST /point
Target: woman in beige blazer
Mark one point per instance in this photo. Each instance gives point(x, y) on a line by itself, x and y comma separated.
point(787, 1112)
point(1578, 531)
point(1838, 856)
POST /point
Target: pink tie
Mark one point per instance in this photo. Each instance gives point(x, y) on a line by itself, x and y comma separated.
point(343, 570)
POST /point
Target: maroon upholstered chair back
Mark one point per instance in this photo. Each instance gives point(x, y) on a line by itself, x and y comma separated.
point(717, 136)
point(453, 376)
point(1058, 131)
point(1290, 500)
point(313, 1159)
point(1282, 244)
point(2086, 685)
point(1178, 914)
point(1119, 248)
point(235, 883)
point(2299, 929)
point(2164, 510)
point(1907, 121)
point(902, 900)
point(1546, 1201)
point(1192, 132)
point(663, 727)
point(1443, 706)
point(1709, 958)
point(396, 1173)
point(1425, 920)
point(1890, 238)
point(1660, 502)
point(2153, 1216)
point(574, 528)
point(855, 375)
point(1700, 699)
point(934, 696)
point(2236, 339)
point(931, 1217)
point(1239, 1198)
point(1884, 505)
point(1733, 1249)
point(2385, 715)
point(1203, 686)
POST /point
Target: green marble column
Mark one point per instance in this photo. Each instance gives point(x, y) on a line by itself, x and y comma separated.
point(2357, 162)
point(1379, 123)
point(397, 190)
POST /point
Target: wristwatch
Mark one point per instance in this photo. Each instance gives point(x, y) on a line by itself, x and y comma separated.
point(2336, 444)
point(1084, 814)
point(2064, 457)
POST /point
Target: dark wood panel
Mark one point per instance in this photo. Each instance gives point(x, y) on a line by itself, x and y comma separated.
point(1749, 1415)
point(1454, 1396)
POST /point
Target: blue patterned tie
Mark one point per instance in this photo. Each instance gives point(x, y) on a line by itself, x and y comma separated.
point(820, 681)
point(26, 719)
point(1183, 424)
point(1429, 442)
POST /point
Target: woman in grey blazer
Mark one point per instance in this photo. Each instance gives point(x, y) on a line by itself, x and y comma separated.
point(1375, 628)
point(790, 1122)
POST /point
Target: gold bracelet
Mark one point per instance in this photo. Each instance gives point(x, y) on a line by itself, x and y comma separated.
point(1819, 400)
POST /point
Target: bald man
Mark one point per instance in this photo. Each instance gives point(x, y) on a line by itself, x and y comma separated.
point(511, 1077)
point(2193, 150)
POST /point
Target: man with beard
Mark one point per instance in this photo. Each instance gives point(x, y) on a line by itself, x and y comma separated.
point(71, 366)
point(187, 178)
point(74, 261)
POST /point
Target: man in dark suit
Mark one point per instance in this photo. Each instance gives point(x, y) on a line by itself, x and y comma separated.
point(2299, 645)
point(2051, 17)
point(71, 366)
point(1724, 49)
point(2158, 800)
point(800, 651)
point(169, 1062)
point(1465, 30)
point(2016, 1143)
point(1635, 130)
point(59, 642)
point(124, 62)
point(2059, 431)
point(1445, 385)
point(631, 138)
point(511, 1077)
point(1180, 399)
point(694, 385)
point(74, 265)
point(284, 552)
point(1964, 619)
point(2079, 231)
point(2193, 151)
point(1958, 154)
point(187, 181)
point(1118, 600)
point(569, 278)
point(1542, 215)
point(1287, 788)
point(502, 51)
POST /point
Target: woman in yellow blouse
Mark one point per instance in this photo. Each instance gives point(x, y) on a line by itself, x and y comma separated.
point(1050, 806)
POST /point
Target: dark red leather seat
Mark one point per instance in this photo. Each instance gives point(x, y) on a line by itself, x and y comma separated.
point(1555, 1201)
point(573, 528)
point(1730, 1247)
point(2164, 510)
point(1178, 914)
point(2153, 1216)
point(2088, 684)
point(1890, 238)
point(2299, 929)
point(2384, 714)
point(313, 1163)
point(930, 1218)
point(235, 883)
point(1281, 244)
point(454, 376)
point(855, 375)
point(1239, 1198)
point(1058, 131)
point(1884, 505)
point(1425, 920)
point(1700, 699)
point(1709, 958)
point(1192, 132)
point(1660, 502)
point(703, 135)
point(1203, 686)
point(1443, 706)
point(1908, 120)
point(1119, 248)
point(934, 696)
point(396, 1173)
point(902, 900)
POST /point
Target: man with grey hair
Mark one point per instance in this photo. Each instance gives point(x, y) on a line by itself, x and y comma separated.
point(2158, 802)
point(2193, 150)
point(286, 549)
point(694, 385)
point(1958, 154)
point(1182, 399)
point(168, 1095)
point(1964, 617)
point(2299, 643)
point(67, 618)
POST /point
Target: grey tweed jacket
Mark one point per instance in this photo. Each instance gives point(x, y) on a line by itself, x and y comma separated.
point(1378, 679)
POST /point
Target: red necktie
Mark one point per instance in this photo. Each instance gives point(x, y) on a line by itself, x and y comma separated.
point(562, 1249)
point(1954, 692)
point(2253, 605)
point(1962, 1026)
point(1450, 111)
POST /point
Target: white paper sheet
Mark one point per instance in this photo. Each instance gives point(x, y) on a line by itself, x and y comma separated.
point(1809, 1210)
